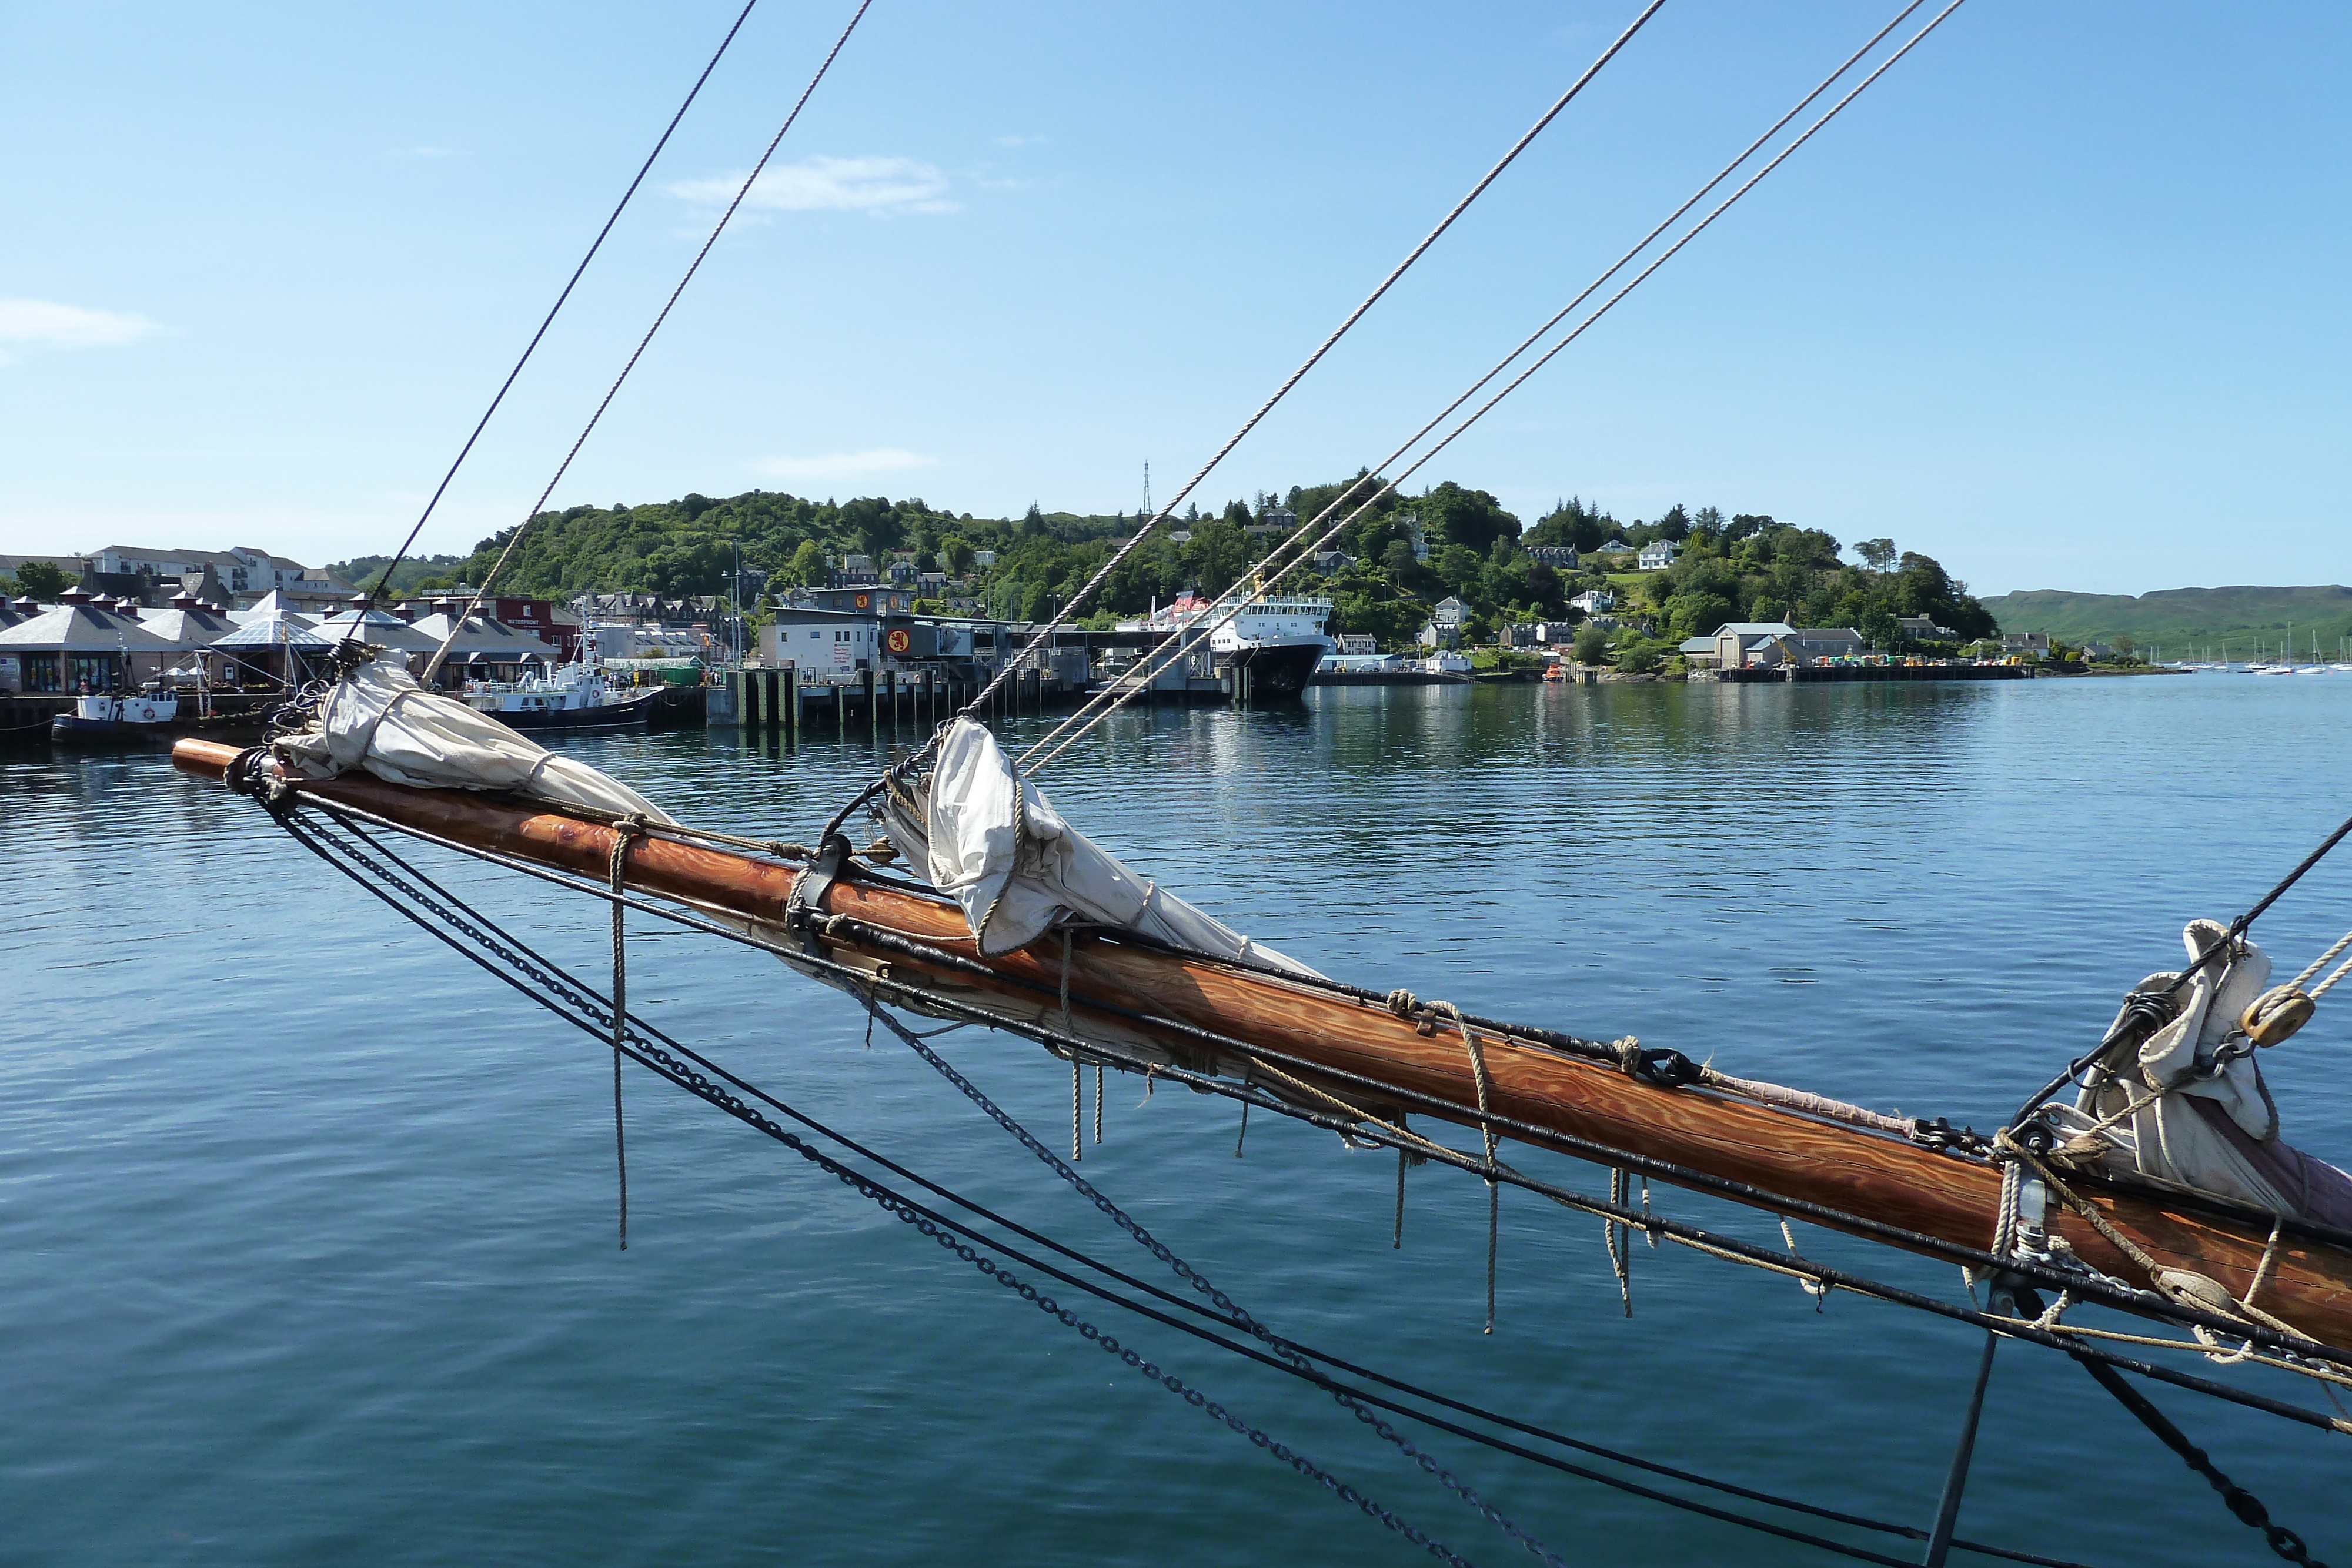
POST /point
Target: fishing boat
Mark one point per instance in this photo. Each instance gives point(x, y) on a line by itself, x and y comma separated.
point(575, 696)
point(114, 718)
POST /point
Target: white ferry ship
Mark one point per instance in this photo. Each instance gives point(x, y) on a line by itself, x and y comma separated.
point(1279, 639)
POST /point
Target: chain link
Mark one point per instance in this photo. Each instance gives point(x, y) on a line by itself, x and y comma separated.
point(1224, 1303)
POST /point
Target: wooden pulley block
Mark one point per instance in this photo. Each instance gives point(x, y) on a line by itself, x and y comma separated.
point(2276, 1014)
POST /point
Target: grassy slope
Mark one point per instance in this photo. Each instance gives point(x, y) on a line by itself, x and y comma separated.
point(2183, 615)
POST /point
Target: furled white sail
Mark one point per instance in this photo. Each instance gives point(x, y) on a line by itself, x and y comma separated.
point(378, 719)
point(2192, 1107)
point(990, 840)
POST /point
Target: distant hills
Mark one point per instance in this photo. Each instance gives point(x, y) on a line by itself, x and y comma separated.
point(2184, 616)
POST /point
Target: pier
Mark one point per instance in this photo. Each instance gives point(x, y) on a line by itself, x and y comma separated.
point(787, 700)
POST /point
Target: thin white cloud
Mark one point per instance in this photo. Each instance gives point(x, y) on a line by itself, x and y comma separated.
point(1021, 140)
point(68, 326)
point(871, 184)
point(843, 465)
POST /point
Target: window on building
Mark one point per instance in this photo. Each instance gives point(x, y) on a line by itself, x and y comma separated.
point(40, 672)
point(95, 671)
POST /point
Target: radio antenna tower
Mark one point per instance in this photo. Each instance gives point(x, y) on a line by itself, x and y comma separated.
point(1147, 493)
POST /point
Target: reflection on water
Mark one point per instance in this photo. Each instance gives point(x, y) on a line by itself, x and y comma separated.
point(305, 1227)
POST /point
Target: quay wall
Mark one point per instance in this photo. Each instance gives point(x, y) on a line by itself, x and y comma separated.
point(1816, 674)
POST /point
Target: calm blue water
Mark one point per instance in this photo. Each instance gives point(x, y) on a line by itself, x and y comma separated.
point(305, 1227)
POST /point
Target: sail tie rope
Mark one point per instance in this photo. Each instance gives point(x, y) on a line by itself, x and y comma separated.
point(624, 832)
point(2320, 963)
point(1487, 1130)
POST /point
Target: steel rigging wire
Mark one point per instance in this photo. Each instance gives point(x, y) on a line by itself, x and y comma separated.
point(1354, 316)
point(1126, 692)
point(1257, 581)
point(433, 665)
point(528, 349)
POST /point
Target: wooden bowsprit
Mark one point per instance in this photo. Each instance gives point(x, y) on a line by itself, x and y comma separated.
point(1241, 1022)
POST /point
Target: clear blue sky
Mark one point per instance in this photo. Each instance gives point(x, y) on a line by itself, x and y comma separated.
point(2059, 301)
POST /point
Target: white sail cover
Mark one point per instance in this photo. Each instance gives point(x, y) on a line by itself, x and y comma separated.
point(2191, 1106)
point(380, 719)
point(1016, 872)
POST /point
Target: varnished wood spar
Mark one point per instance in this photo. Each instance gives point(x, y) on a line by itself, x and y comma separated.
point(1882, 1178)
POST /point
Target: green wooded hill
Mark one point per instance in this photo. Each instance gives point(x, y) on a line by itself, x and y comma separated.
point(2184, 616)
point(1398, 556)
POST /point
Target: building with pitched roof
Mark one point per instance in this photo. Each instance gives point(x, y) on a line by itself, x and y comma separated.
point(78, 647)
point(243, 572)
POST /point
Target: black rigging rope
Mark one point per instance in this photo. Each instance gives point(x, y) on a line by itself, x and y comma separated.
point(577, 1003)
point(610, 392)
point(1190, 1304)
point(384, 581)
point(2084, 1288)
point(1186, 1273)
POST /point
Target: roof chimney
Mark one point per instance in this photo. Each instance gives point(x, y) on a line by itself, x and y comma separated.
point(28, 605)
point(76, 594)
